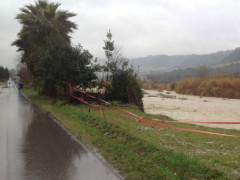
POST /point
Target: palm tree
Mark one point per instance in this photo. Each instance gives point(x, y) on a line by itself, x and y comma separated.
point(42, 25)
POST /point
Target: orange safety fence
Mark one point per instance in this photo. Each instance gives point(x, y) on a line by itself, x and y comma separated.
point(140, 119)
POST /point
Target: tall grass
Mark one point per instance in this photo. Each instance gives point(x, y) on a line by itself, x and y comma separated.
point(226, 86)
point(150, 85)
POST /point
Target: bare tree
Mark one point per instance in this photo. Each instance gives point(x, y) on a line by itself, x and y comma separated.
point(118, 60)
point(24, 73)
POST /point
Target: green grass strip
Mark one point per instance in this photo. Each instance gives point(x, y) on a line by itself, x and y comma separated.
point(140, 152)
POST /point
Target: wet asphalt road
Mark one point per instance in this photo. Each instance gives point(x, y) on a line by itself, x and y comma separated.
point(34, 147)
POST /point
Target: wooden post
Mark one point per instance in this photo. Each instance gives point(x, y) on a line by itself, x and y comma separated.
point(101, 113)
point(104, 115)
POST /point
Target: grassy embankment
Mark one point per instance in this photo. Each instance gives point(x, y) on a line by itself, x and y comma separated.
point(140, 152)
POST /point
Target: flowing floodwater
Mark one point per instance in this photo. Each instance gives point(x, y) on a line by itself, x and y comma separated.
point(193, 108)
point(34, 147)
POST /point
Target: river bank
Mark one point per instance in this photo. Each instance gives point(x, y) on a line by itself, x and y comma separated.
point(193, 108)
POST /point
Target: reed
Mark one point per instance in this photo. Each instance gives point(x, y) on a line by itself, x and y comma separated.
point(226, 86)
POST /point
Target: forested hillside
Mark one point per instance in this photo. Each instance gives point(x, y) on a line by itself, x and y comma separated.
point(180, 74)
point(233, 56)
point(205, 59)
point(165, 63)
point(4, 73)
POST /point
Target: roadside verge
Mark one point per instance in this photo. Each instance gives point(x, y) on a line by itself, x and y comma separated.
point(137, 151)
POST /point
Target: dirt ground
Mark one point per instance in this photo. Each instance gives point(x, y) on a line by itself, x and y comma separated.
point(193, 108)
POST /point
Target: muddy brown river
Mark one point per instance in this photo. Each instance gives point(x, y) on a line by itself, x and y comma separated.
point(34, 147)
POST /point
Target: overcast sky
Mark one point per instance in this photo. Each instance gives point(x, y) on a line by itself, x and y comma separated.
point(140, 27)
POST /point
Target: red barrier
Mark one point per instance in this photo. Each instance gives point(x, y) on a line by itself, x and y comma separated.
point(128, 112)
point(91, 96)
point(194, 122)
point(102, 107)
point(203, 132)
point(140, 119)
point(132, 118)
point(190, 130)
point(202, 122)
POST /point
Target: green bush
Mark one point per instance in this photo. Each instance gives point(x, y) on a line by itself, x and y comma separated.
point(126, 88)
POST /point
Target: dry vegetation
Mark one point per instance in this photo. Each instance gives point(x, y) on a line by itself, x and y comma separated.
point(226, 86)
point(150, 85)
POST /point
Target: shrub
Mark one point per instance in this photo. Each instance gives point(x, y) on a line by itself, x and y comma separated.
point(126, 88)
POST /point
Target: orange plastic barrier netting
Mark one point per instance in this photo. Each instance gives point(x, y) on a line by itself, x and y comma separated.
point(140, 119)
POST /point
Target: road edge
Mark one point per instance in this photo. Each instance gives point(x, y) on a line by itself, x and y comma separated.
point(94, 151)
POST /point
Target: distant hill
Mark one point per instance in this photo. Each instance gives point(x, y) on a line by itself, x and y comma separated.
point(233, 56)
point(176, 75)
point(160, 60)
point(172, 76)
point(165, 63)
point(205, 59)
point(165, 68)
point(159, 63)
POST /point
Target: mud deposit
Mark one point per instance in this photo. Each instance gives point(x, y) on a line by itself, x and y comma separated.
point(193, 108)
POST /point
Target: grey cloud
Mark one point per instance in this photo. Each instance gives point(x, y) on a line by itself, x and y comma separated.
point(141, 27)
